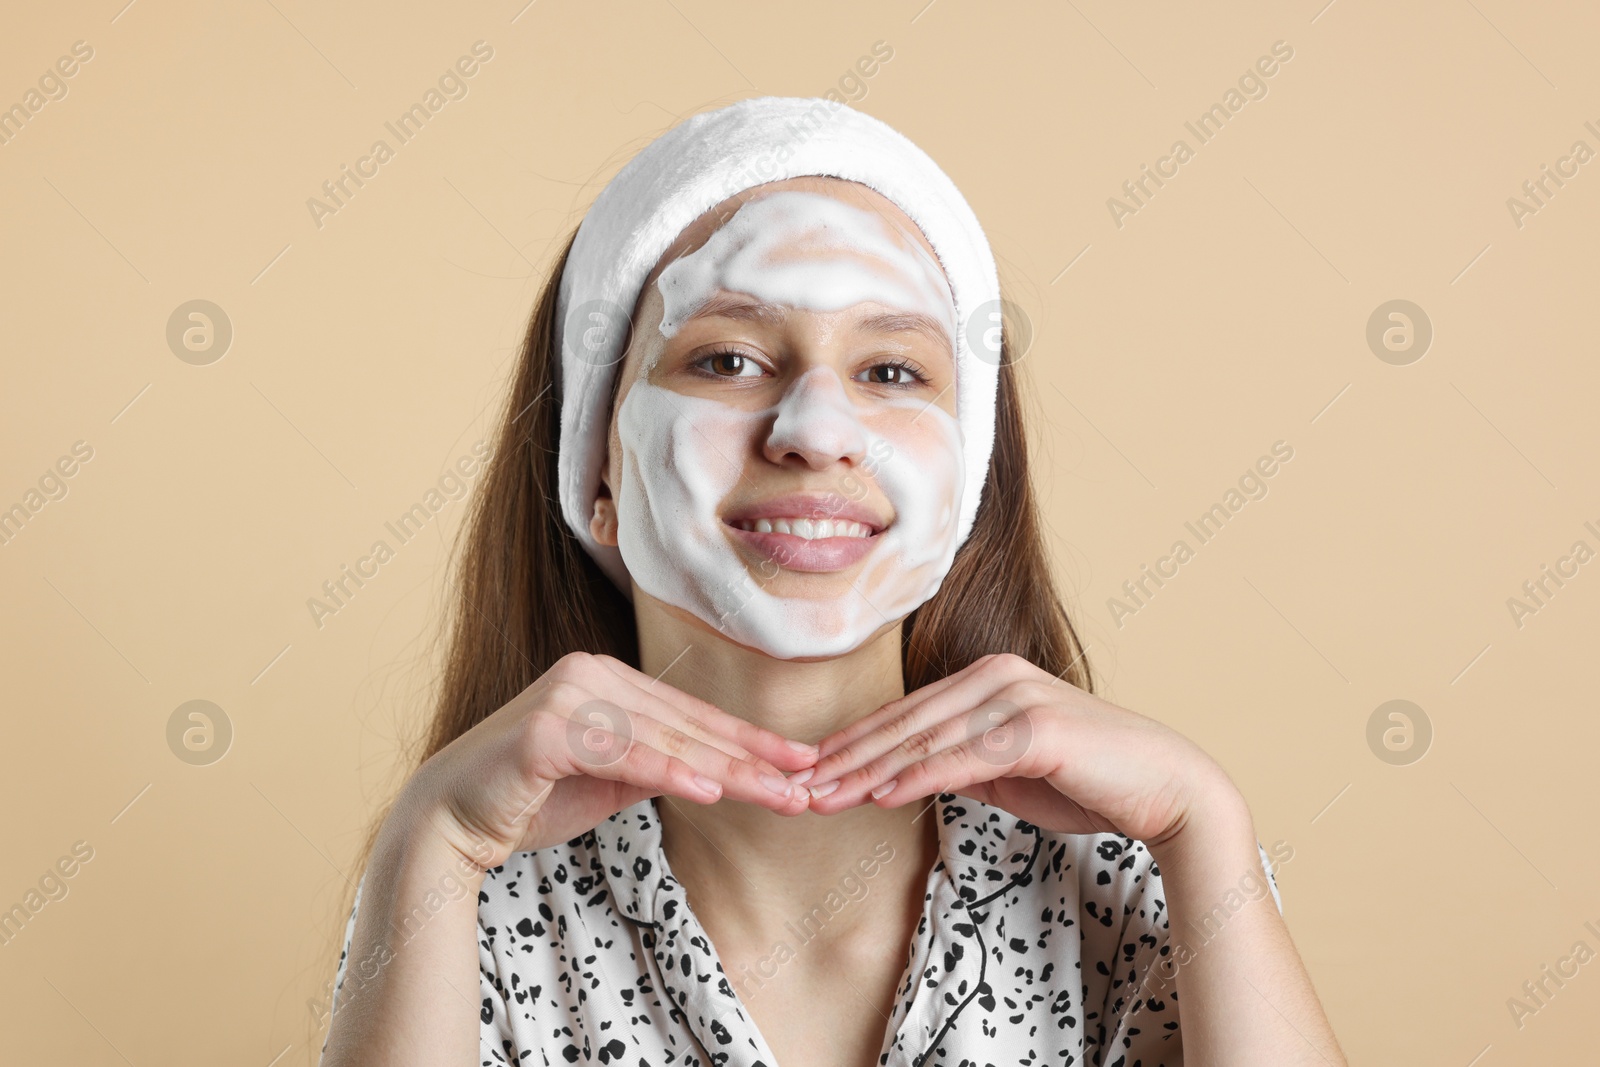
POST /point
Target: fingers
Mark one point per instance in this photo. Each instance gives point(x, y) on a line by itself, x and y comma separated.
point(861, 727)
point(896, 724)
point(702, 721)
point(753, 739)
point(955, 769)
point(741, 778)
point(992, 742)
point(622, 759)
point(599, 738)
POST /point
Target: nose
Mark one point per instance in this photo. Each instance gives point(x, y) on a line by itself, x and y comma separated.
point(816, 422)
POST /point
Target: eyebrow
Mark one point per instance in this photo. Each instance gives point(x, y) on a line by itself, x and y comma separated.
point(730, 306)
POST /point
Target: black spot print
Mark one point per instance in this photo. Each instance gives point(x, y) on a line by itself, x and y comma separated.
point(590, 950)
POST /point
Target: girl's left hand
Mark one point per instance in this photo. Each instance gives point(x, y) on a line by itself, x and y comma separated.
point(1007, 733)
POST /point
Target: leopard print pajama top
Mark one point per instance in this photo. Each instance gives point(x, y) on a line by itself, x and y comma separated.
point(1033, 948)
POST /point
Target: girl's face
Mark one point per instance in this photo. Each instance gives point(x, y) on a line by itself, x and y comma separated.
point(785, 463)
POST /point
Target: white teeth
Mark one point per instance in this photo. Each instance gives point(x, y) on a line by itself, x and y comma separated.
point(809, 529)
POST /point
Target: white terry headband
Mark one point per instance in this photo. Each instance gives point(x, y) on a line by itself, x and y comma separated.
point(690, 169)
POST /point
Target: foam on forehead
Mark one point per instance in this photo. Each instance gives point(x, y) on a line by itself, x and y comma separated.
point(697, 165)
point(744, 256)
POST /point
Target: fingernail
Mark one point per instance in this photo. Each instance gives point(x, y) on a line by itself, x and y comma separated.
point(707, 784)
point(824, 789)
point(802, 777)
point(799, 746)
point(778, 785)
point(884, 788)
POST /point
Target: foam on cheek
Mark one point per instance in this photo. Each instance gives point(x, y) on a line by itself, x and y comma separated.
point(748, 255)
point(683, 455)
point(672, 480)
point(916, 460)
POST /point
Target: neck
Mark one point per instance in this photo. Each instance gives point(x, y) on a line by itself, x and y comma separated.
point(752, 875)
point(802, 700)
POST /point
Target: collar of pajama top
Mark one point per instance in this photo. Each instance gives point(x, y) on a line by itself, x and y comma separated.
point(985, 853)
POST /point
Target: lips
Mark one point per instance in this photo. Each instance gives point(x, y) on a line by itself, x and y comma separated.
point(807, 532)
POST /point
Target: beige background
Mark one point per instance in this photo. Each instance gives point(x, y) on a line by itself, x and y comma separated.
point(1228, 313)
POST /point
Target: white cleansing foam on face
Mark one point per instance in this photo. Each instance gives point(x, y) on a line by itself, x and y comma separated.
point(756, 253)
point(683, 456)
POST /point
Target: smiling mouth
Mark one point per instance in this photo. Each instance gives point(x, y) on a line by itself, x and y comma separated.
point(806, 528)
point(805, 543)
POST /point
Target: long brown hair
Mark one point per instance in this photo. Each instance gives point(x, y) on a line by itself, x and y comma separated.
point(526, 593)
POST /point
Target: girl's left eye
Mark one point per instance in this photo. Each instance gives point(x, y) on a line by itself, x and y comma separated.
point(895, 372)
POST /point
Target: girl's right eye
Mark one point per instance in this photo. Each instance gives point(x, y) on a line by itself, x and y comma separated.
point(729, 364)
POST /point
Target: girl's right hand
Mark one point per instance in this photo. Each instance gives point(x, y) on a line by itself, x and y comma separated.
point(590, 737)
